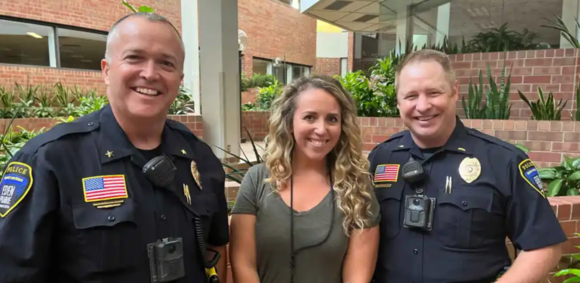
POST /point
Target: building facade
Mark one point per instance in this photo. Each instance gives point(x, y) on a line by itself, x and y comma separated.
point(64, 40)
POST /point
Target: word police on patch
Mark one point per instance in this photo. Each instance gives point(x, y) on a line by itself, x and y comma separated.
point(15, 184)
point(530, 174)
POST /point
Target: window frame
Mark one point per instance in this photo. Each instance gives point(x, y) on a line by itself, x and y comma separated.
point(289, 73)
point(54, 27)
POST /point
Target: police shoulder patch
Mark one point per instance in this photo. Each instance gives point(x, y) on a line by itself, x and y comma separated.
point(530, 174)
point(14, 186)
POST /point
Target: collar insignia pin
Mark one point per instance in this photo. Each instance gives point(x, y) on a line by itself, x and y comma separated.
point(195, 174)
point(186, 193)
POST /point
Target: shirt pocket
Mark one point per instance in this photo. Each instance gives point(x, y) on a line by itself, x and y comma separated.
point(468, 219)
point(390, 202)
point(110, 237)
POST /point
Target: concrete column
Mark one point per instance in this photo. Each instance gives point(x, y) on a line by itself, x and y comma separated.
point(357, 45)
point(570, 13)
point(443, 17)
point(404, 27)
point(220, 86)
point(190, 35)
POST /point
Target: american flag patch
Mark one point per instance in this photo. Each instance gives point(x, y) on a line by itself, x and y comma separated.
point(101, 188)
point(387, 173)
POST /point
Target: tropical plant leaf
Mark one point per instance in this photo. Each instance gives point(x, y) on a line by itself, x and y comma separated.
point(554, 187)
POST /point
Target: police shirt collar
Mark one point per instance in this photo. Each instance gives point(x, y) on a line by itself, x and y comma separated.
point(456, 143)
point(114, 143)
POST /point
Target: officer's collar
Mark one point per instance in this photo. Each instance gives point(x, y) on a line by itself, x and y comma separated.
point(455, 143)
point(114, 143)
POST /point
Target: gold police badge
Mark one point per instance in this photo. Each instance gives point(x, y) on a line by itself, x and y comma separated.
point(195, 174)
point(469, 169)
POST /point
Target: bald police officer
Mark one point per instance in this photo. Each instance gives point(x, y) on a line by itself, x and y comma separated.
point(450, 195)
point(122, 194)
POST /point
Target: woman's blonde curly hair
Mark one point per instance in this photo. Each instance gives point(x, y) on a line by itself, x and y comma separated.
point(349, 168)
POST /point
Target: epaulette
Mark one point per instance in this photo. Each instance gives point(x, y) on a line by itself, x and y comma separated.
point(396, 136)
point(83, 124)
point(180, 127)
point(392, 138)
point(494, 140)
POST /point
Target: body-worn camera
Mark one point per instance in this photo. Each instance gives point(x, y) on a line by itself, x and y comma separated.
point(166, 260)
point(419, 212)
point(418, 208)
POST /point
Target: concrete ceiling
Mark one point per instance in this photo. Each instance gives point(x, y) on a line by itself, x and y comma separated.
point(468, 17)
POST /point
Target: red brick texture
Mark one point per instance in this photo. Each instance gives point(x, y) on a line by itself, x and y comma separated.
point(249, 96)
point(554, 70)
point(85, 79)
point(92, 14)
point(567, 210)
point(275, 29)
point(257, 124)
point(327, 66)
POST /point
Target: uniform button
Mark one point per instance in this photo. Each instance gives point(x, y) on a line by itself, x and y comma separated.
point(163, 217)
point(90, 123)
point(464, 203)
point(415, 251)
point(111, 218)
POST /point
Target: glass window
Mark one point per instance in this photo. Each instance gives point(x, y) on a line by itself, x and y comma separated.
point(294, 3)
point(260, 66)
point(26, 44)
point(81, 50)
point(279, 72)
point(488, 26)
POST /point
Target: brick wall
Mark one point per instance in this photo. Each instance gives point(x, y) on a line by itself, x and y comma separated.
point(9, 74)
point(553, 70)
point(256, 123)
point(275, 29)
point(249, 96)
point(98, 15)
point(327, 66)
point(567, 209)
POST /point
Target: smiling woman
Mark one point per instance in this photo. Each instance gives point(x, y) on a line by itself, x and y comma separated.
point(312, 200)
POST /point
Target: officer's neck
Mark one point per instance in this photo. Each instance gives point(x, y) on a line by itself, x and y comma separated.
point(435, 141)
point(143, 135)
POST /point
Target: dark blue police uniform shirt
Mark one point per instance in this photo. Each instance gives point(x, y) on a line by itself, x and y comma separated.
point(474, 212)
point(54, 228)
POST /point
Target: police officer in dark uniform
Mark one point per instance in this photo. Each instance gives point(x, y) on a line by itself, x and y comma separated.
point(122, 194)
point(450, 195)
